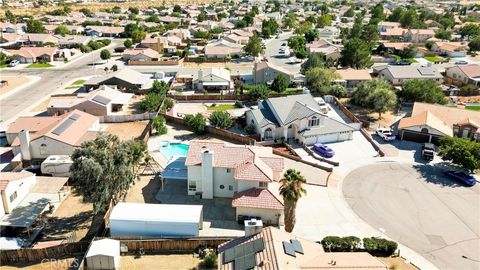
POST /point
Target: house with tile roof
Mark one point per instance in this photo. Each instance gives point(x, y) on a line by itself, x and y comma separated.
point(274, 249)
point(100, 102)
point(450, 49)
point(14, 187)
point(214, 80)
point(324, 47)
point(298, 118)
point(222, 49)
point(34, 54)
point(140, 54)
point(37, 137)
point(397, 75)
point(247, 174)
point(463, 74)
point(351, 78)
point(429, 122)
point(265, 71)
point(127, 80)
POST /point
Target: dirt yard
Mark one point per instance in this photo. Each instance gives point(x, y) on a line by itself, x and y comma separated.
point(144, 190)
point(53, 264)
point(160, 262)
point(472, 99)
point(13, 82)
point(396, 263)
point(127, 130)
point(387, 119)
point(72, 215)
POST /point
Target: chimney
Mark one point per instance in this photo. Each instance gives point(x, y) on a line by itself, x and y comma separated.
point(207, 174)
point(200, 74)
point(253, 226)
point(24, 138)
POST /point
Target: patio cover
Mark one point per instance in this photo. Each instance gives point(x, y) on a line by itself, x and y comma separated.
point(215, 83)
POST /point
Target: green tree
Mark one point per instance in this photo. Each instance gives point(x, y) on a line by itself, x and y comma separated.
point(134, 10)
point(324, 20)
point(349, 13)
point(269, 27)
point(138, 35)
point(117, 10)
point(409, 19)
point(259, 92)
point(311, 35)
point(362, 95)
point(87, 12)
point(303, 27)
point(470, 30)
point(474, 44)
point(443, 34)
point(104, 168)
point(396, 15)
point(378, 12)
point(168, 103)
point(128, 43)
point(159, 125)
point(370, 34)
point(337, 90)
point(429, 44)
point(408, 52)
point(177, 9)
point(221, 119)
point(11, 18)
point(460, 151)
point(196, 122)
point(105, 54)
point(422, 91)
point(356, 54)
point(383, 100)
point(61, 30)
point(319, 80)
point(254, 46)
point(314, 60)
point(201, 16)
point(291, 190)
point(280, 83)
point(34, 26)
point(469, 90)
point(290, 20)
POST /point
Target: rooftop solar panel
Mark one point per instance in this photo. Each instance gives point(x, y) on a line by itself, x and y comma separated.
point(288, 248)
point(250, 261)
point(240, 263)
point(297, 246)
point(228, 255)
point(239, 252)
point(101, 99)
point(258, 245)
point(74, 116)
point(426, 71)
point(63, 126)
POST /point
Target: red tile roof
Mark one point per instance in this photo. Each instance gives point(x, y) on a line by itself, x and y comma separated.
point(256, 198)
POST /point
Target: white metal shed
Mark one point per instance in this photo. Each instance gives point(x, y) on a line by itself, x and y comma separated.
point(103, 255)
point(134, 220)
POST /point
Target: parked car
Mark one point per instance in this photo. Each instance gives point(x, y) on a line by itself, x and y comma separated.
point(428, 151)
point(385, 133)
point(13, 63)
point(461, 177)
point(402, 63)
point(461, 62)
point(323, 150)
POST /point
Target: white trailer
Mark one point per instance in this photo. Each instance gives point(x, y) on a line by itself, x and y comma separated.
point(140, 220)
point(57, 165)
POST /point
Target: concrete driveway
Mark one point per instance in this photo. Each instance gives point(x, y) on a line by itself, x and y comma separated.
point(421, 209)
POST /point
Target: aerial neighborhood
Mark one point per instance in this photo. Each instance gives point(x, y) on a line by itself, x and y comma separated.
point(259, 134)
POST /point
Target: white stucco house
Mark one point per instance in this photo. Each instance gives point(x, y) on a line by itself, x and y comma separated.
point(298, 118)
point(247, 174)
point(14, 187)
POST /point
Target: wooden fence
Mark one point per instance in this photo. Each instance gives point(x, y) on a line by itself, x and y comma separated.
point(127, 118)
point(37, 255)
point(186, 98)
point(299, 159)
point(171, 245)
point(155, 63)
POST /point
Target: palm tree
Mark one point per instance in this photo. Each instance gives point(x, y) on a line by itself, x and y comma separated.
point(291, 190)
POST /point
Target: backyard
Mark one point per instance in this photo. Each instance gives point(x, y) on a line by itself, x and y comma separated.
point(160, 262)
point(221, 107)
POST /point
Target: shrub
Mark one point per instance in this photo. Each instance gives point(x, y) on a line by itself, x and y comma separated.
point(196, 122)
point(221, 119)
point(259, 91)
point(379, 246)
point(105, 42)
point(210, 260)
point(168, 103)
point(151, 102)
point(341, 244)
point(250, 129)
point(114, 68)
point(280, 83)
point(159, 125)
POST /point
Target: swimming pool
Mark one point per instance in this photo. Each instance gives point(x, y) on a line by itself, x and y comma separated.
point(174, 150)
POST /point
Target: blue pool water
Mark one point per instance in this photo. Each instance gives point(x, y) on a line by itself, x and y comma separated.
point(174, 150)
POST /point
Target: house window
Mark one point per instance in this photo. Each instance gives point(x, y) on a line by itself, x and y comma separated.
point(222, 186)
point(424, 130)
point(228, 170)
point(313, 122)
point(268, 134)
point(43, 149)
point(13, 196)
point(230, 187)
point(262, 184)
point(192, 185)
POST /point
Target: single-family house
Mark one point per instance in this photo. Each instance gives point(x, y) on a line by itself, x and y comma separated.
point(38, 137)
point(158, 44)
point(397, 75)
point(329, 32)
point(34, 54)
point(18, 28)
point(450, 49)
point(408, 35)
point(104, 31)
point(68, 41)
point(429, 122)
point(274, 249)
point(351, 78)
point(24, 196)
point(326, 48)
point(127, 80)
point(100, 102)
point(265, 71)
point(298, 118)
point(222, 49)
point(383, 26)
point(244, 173)
point(237, 39)
point(182, 34)
point(140, 54)
point(214, 80)
point(463, 74)
point(38, 39)
point(9, 39)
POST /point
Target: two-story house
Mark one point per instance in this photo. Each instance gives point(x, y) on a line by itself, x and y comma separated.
point(298, 118)
point(247, 174)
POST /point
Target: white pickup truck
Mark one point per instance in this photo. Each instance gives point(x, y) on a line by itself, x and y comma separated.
point(385, 133)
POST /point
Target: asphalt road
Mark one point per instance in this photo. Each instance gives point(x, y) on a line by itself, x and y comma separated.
point(420, 208)
point(272, 53)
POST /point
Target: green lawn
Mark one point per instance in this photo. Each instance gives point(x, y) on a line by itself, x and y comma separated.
point(473, 107)
point(79, 82)
point(398, 58)
point(222, 107)
point(73, 87)
point(292, 91)
point(434, 58)
point(40, 65)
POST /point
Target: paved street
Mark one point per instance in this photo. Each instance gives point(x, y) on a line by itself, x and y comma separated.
point(420, 208)
point(271, 52)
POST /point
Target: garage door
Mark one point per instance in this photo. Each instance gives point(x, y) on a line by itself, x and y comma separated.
point(327, 138)
point(416, 137)
point(344, 136)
